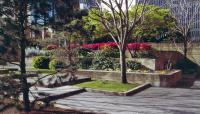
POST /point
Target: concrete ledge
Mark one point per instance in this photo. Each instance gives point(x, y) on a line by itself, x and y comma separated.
point(137, 89)
point(127, 93)
point(46, 95)
point(168, 79)
point(59, 96)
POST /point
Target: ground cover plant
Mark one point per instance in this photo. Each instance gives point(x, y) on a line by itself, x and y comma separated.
point(41, 62)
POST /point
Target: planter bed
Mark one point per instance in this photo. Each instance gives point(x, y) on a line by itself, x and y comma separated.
point(113, 88)
point(158, 79)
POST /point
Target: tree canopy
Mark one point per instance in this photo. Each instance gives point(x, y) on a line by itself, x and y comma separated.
point(157, 22)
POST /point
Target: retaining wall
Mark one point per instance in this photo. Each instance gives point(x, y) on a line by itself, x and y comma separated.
point(156, 79)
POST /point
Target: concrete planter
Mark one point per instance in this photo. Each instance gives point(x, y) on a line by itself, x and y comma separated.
point(155, 79)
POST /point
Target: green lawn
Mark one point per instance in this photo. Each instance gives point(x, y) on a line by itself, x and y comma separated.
point(107, 85)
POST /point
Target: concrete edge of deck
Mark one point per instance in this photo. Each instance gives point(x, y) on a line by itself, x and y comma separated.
point(126, 93)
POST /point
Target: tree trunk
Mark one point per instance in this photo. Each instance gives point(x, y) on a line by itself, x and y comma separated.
point(123, 66)
point(22, 22)
point(25, 87)
point(185, 49)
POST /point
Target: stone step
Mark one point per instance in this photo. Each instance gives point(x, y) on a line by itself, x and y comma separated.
point(51, 94)
point(56, 81)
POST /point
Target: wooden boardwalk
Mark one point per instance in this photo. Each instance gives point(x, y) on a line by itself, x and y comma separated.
point(150, 101)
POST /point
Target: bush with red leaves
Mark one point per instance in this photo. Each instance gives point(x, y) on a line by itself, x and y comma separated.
point(131, 46)
point(139, 46)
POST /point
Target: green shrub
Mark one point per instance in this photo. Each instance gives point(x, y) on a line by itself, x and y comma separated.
point(85, 63)
point(82, 52)
point(41, 62)
point(101, 39)
point(55, 64)
point(105, 64)
point(49, 53)
point(133, 65)
point(108, 51)
point(58, 53)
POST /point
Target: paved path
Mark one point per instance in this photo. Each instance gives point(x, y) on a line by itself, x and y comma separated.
point(150, 101)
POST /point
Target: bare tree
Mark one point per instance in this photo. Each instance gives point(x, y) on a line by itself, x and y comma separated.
point(186, 13)
point(120, 24)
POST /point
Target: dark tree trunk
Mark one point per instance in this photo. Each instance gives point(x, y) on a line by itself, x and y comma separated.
point(25, 87)
point(185, 47)
point(123, 66)
point(22, 21)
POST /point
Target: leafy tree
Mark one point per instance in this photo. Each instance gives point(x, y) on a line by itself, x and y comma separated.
point(92, 22)
point(79, 31)
point(114, 17)
point(157, 23)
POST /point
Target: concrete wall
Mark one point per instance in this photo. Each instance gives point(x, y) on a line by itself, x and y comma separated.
point(175, 52)
point(165, 52)
point(156, 79)
point(193, 52)
point(148, 63)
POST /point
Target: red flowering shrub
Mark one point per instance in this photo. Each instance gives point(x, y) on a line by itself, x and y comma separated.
point(112, 44)
point(52, 47)
point(97, 46)
point(134, 46)
point(91, 46)
point(145, 46)
point(74, 45)
point(139, 46)
point(131, 46)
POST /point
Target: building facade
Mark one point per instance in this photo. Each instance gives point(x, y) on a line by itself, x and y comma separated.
point(87, 4)
point(191, 9)
point(153, 2)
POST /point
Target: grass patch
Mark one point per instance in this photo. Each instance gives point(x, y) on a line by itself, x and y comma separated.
point(44, 71)
point(107, 85)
